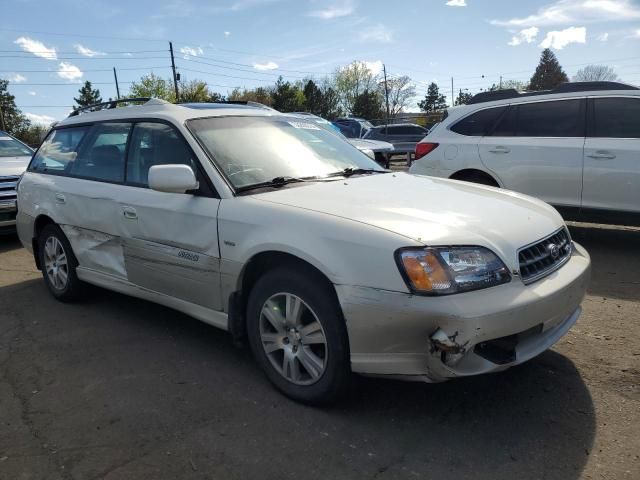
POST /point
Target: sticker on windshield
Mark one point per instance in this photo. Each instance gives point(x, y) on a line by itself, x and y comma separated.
point(304, 125)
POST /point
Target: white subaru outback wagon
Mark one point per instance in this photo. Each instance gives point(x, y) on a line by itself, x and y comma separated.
point(279, 231)
point(576, 147)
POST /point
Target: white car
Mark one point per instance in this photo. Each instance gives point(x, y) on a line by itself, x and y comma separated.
point(576, 147)
point(14, 158)
point(276, 230)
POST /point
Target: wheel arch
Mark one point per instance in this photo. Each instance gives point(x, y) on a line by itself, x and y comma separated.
point(470, 172)
point(40, 222)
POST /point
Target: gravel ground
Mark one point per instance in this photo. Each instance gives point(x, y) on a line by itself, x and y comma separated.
point(119, 388)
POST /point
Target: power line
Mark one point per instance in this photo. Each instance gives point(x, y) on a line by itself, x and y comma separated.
point(75, 52)
point(104, 57)
point(84, 70)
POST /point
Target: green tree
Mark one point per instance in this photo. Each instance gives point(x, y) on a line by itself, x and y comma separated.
point(351, 81)
point(312, 98)
point(433, 100)
point(260, 95)
point(330, 105)
point(194, 91)
point(88, 95)
point(463, 98)
point(12, 120)
point(215, 97)
point(368, 105)
point(595, 73)
point(549, 73)
point(153, 86)
point(287, 97)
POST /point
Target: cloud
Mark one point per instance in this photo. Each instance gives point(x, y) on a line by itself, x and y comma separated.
point(16, 78)
point(86, 51)
point(334, 11)
point(44, 119)
point(637, 33)
point(68, 71)
point(456, 3)
point(37, 48)
point(563, 12)
point(375, 67)
point(378, 33)
point(559, 39)
point(227, 34)
point(603, 37)
point(265, 66)
point(527, 35)
point(32, 93)
point(191, 51)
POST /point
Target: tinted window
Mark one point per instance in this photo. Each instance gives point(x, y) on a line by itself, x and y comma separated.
point(155, 144)
point(478, 124)
point(101, 157)
point(59, 150)
point(507, 125)
point(616, 118)
point(550, 119)
point(10, 147)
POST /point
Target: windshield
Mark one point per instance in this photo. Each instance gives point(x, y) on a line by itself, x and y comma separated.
point(10, 147)
point(251, 150)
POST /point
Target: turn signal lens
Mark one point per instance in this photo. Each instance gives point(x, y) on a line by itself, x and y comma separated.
point(425, 271)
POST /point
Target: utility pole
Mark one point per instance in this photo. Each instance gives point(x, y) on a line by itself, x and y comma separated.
point(500, 82)
point(173, 68)
point(115, 76)
point(452, 94)
point(2, 125)
point(386, 94)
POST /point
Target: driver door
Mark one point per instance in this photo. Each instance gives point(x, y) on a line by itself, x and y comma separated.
point(170, 240)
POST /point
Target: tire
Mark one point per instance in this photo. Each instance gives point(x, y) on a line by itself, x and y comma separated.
point(60, 278)
point(298, 363)
point(479, 179)
point(382, 160)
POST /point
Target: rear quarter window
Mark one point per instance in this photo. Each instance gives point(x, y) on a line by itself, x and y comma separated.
point(478, 124)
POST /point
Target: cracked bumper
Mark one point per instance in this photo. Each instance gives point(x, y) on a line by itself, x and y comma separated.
point(389, 332)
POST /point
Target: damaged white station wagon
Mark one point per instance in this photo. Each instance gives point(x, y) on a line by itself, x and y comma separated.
point(282, 232)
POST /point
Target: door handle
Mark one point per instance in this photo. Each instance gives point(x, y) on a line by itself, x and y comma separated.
point(602, 155)
point(499, 150)
point(129, 212)
point(60, 198)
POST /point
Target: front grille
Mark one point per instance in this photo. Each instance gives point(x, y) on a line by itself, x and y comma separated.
point(8, 188)
point(544, 256)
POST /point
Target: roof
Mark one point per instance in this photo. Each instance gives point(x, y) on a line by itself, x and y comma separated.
point(155, 108)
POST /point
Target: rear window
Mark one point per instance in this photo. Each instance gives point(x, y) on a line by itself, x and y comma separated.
point(616, 118)
point(478, 124)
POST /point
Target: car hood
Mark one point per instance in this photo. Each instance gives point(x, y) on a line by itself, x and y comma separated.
point(430, 211)
point(10, 166)
point(374, 145)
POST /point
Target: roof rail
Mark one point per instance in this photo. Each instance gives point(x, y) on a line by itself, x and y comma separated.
point(108, 105)
point(568, 87)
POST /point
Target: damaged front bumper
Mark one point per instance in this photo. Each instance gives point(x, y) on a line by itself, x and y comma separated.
point(437, 338)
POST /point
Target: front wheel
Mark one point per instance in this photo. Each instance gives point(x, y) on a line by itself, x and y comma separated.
point(298, 336)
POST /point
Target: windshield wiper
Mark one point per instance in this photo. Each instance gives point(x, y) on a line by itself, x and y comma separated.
point(347, 172)
point(274, 182)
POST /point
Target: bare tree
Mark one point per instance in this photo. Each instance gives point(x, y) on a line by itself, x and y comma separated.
point(353, 80)
point(401, 92)
point(595, 73)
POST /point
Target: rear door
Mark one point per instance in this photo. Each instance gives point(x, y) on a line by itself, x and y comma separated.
point(170, 239)
point(612, 155)
point(536, 148)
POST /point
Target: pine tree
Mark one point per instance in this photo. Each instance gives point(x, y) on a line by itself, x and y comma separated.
point(433, 100)
point(548, 74)
point(368, 105)
point(88, 96)
point(11, 118)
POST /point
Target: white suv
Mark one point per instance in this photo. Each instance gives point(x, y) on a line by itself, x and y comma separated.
point(280, 231)
point(576, 147)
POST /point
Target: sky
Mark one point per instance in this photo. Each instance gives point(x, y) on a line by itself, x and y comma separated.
point(47, 49)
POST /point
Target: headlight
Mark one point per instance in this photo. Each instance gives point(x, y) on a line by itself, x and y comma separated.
point(447, 270)
point(368, 152)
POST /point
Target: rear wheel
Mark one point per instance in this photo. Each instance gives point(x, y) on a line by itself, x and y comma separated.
point(297, 335)
point(382, 160)
point(58, 264)
point(476, 177)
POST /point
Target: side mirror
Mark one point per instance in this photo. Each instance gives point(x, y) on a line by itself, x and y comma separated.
point(172, 178)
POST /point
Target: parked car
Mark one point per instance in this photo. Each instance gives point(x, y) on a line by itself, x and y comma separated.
point(353, 127)
point(576, 147)
point(381, 152)
point(278, 231)
point(403, 136)
point(14, 158)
